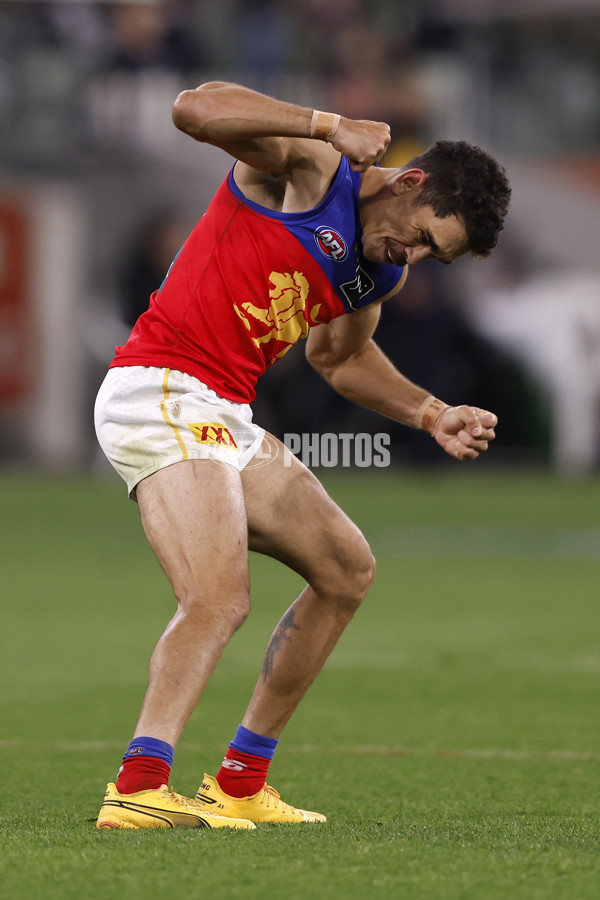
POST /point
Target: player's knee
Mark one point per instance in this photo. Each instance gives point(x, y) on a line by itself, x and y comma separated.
point(351, 574)
point(238, 611)
point(226, 609)
point(363, 573)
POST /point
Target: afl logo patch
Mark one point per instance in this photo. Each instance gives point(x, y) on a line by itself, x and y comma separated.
point(331, 243)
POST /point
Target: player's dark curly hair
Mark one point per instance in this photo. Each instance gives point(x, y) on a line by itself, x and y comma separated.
point(465, 181)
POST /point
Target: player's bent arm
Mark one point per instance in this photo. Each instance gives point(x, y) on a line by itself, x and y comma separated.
point(250, 126)
point(346, 355)
point(272, 135)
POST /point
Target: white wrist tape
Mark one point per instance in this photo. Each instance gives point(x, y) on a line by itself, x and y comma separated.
point(324, 125)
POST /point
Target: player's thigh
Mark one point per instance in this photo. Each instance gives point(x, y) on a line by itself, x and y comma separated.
point(194, 517)
point(291, 517)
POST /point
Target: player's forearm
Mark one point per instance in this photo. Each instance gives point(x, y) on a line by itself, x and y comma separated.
point(370, 379)
point(219, 112)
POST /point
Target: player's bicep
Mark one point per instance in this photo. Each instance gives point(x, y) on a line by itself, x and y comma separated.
point(329, 346)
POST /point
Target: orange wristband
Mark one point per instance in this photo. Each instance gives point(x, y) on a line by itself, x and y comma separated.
point(429, 412)
point(324, 125)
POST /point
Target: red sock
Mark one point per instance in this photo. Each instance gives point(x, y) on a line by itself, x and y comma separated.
point(242, 774)
point(142, 773)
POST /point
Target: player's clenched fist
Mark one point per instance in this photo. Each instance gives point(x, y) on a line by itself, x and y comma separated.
point(465, 431)
point(363, 142)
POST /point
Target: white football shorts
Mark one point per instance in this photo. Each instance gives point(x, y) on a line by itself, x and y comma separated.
point(148, 418)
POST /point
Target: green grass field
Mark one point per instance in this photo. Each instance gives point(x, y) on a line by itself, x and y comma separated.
point(452, 739)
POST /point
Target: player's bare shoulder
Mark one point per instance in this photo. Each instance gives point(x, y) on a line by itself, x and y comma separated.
point(301, 186)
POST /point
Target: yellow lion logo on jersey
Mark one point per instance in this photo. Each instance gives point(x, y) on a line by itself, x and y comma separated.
point(285, 315)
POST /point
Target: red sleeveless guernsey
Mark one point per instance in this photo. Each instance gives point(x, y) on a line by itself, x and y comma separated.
point(249, 282)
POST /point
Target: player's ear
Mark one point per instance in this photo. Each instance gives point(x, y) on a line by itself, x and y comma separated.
point(407, 180)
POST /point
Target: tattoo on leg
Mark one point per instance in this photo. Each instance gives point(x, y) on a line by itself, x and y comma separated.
point(279, 636)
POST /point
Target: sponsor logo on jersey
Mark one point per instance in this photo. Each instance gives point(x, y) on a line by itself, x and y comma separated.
point(331, 243)
point(213, 433)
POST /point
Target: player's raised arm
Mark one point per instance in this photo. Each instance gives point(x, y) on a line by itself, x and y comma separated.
point(345, 354)
point(264, 132)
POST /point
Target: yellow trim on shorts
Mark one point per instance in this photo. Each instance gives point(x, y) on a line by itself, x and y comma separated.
point(163, 410)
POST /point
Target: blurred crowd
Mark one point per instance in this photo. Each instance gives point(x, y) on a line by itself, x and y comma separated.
point(403, 62)
point(260, 36)
point(361, 54)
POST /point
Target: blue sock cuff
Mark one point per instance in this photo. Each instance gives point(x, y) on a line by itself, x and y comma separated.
point(249, 742)
point(147, 746)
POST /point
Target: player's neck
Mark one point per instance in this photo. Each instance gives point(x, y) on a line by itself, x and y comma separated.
point(377, 183)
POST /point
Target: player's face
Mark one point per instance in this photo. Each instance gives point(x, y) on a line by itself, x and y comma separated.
point(403, 233)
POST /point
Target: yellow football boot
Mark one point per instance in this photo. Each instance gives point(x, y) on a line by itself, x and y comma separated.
point(162, 808)
point(266, 806)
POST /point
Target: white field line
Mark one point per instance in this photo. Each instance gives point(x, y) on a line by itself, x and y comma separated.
point(315, 750)
point(489, 540)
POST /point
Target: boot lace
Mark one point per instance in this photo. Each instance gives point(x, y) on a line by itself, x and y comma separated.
point(271, 797)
